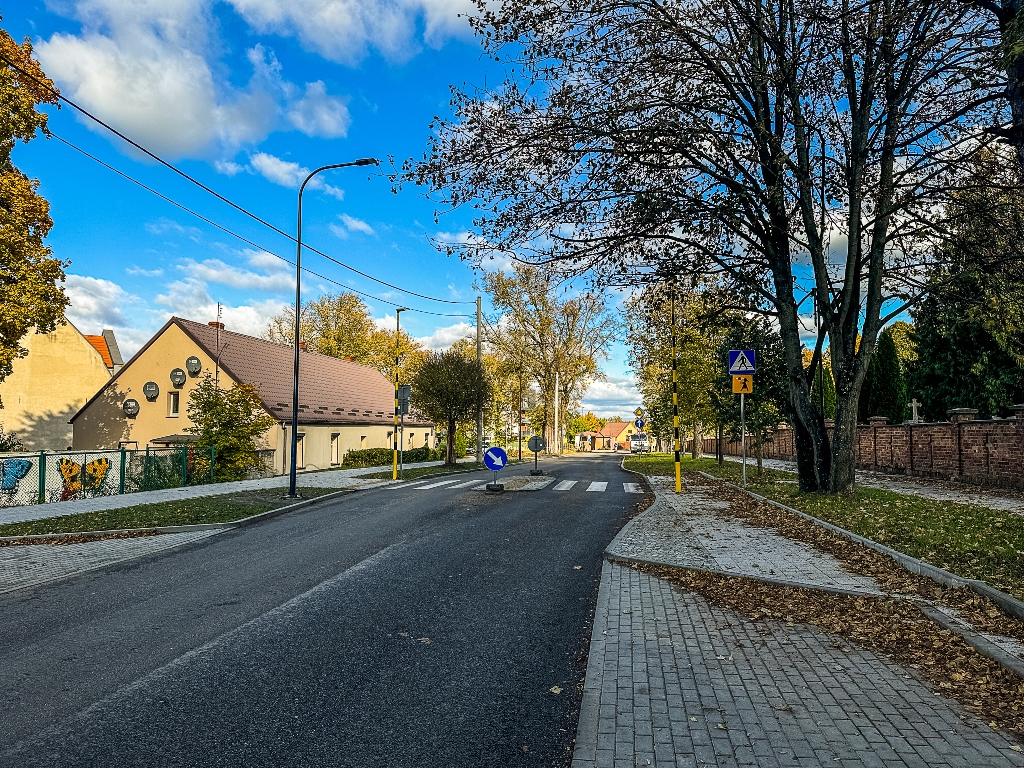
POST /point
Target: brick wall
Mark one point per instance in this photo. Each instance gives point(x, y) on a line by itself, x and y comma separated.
point(980, 452)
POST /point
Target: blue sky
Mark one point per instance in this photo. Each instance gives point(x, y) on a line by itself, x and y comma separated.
point(245, 95)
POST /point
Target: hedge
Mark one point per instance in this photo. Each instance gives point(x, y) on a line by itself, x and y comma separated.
point(379, 457)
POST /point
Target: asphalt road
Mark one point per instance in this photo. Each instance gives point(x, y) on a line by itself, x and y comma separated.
point(393, 627)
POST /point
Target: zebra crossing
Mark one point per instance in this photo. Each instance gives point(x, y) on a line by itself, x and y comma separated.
point(530, 484)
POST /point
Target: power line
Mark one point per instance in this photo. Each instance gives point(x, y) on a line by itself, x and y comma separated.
point(245, 240)
point(219, 196)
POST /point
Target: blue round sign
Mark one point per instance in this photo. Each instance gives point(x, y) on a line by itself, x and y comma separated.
point(495, 459)
point(639, 423)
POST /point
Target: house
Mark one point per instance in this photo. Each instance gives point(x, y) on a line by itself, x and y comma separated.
point(48, 386)
point(342, 405)
point(616, 434)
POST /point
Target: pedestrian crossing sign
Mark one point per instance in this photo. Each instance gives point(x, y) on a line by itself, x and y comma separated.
point(741, 361)
point(743, 385)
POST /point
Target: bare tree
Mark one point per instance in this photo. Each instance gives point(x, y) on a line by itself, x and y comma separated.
point(798, 150)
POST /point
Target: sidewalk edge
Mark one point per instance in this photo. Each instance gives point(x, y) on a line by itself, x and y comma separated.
point(584, 754)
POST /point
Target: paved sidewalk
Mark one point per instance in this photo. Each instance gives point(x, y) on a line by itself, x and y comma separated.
point(33, 564)
point(335, 478)
point(939, 490)
point(673, 680)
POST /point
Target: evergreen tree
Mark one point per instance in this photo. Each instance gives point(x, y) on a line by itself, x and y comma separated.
point(823, 380)
point(885, 389)
point(960, 362)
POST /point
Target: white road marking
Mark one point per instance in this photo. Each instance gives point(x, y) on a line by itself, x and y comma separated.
point(632, 488)
point(474, 481)
point(565, 485)
point(597, 487)
point(438, 485)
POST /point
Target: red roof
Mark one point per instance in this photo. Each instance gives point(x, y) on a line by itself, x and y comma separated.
point(614, 428)
point(100, 344)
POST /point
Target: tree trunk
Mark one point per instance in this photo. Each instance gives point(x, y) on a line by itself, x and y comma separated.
point(450, 449)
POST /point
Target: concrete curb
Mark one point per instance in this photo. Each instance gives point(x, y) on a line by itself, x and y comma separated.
point(245, 521)
point(584, 751)
point(1008, 603)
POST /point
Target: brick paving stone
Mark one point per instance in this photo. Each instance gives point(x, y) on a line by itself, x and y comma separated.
point(738, 694)
point(30, 565)
point(683, 529)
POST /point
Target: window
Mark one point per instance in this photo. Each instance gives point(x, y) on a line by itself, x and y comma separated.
point(412, 439)
point(300, 453)
point(362, 440)
point(173, 401)
point(335, 440)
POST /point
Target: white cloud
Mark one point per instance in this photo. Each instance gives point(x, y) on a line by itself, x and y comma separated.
point(350, 224)
point(443, 338)
point(228, 168)
point(317, 114)
point(164, 225)
point(217, 271)
point(343, 30)
point(189, 299)
point(139, 271)
point(149, 68)
point(264, 260)
point(289, 174)
point(614, 395)
point(98, 304)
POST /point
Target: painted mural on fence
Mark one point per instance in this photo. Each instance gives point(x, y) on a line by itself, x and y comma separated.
point(74, 479)
point(12, 472)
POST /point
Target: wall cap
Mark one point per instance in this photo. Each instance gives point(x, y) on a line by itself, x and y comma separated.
point(958, 415)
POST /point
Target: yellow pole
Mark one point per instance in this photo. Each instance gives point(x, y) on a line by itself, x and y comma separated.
point(394, 434)
point(675, 395)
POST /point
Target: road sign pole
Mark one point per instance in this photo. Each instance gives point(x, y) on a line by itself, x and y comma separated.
point(743, 438)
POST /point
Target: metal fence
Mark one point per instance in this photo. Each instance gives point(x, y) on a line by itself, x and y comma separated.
point(38, 478)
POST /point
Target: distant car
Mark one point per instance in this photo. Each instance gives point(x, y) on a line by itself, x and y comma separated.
point(639, 443)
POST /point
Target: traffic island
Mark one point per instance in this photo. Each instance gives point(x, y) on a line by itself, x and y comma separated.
point(494, 488)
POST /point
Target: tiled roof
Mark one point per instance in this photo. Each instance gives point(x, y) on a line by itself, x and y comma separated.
point(100, 344)
point(331, 391)
point(614, 428)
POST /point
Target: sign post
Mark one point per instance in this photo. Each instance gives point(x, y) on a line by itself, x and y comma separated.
point(742, 366)
point(536, 444)
point(495, 459)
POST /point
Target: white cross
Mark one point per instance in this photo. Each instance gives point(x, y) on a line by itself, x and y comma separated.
point(914, 405)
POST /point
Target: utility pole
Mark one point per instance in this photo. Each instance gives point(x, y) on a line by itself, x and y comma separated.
point(480, 406)
point(558, 435)
point(394, 434)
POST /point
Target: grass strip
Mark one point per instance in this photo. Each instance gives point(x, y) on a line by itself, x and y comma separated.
point(892, 627)
point(968, 540)
point(224, 508)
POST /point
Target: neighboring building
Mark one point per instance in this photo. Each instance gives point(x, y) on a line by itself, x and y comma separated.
point(342, 405)
point(49, 385)
point(616, 434)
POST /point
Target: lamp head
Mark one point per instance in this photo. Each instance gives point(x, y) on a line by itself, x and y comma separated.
point(367, 161)
point(401, 309)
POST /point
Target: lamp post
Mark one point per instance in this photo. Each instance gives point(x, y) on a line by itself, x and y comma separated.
point(298, 305)
point(398, 338)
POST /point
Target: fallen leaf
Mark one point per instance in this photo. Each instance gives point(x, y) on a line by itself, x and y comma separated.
point(555, 689)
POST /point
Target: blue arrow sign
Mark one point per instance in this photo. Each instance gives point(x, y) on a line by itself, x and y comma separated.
point(741, 361)
point(639, 423)
point(495, 459)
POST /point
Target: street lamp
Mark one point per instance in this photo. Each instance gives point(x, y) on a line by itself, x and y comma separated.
point(398, 339)
point(298, 304)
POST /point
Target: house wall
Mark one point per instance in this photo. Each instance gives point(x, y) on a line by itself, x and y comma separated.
point(316, 449)
point(61, 372)
point(104, 424)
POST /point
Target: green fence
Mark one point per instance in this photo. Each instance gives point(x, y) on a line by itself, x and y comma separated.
point(38, 478)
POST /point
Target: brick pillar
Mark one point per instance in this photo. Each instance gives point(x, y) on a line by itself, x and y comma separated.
point(958, 416)
point(876, 422)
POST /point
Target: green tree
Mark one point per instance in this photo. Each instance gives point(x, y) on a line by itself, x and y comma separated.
point(823, 390)
point(9, 441)
point(885, 387)
point(448, 388)
point(30, 278)
point(231, 421)
point(340, 325)
point(960, 363)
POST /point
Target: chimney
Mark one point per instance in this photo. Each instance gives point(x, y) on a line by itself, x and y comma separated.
point(302, 345)
point(349, 358)
point(216, 324)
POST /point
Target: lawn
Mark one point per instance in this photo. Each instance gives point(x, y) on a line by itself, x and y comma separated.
point(225, 508)
point(971, 541)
